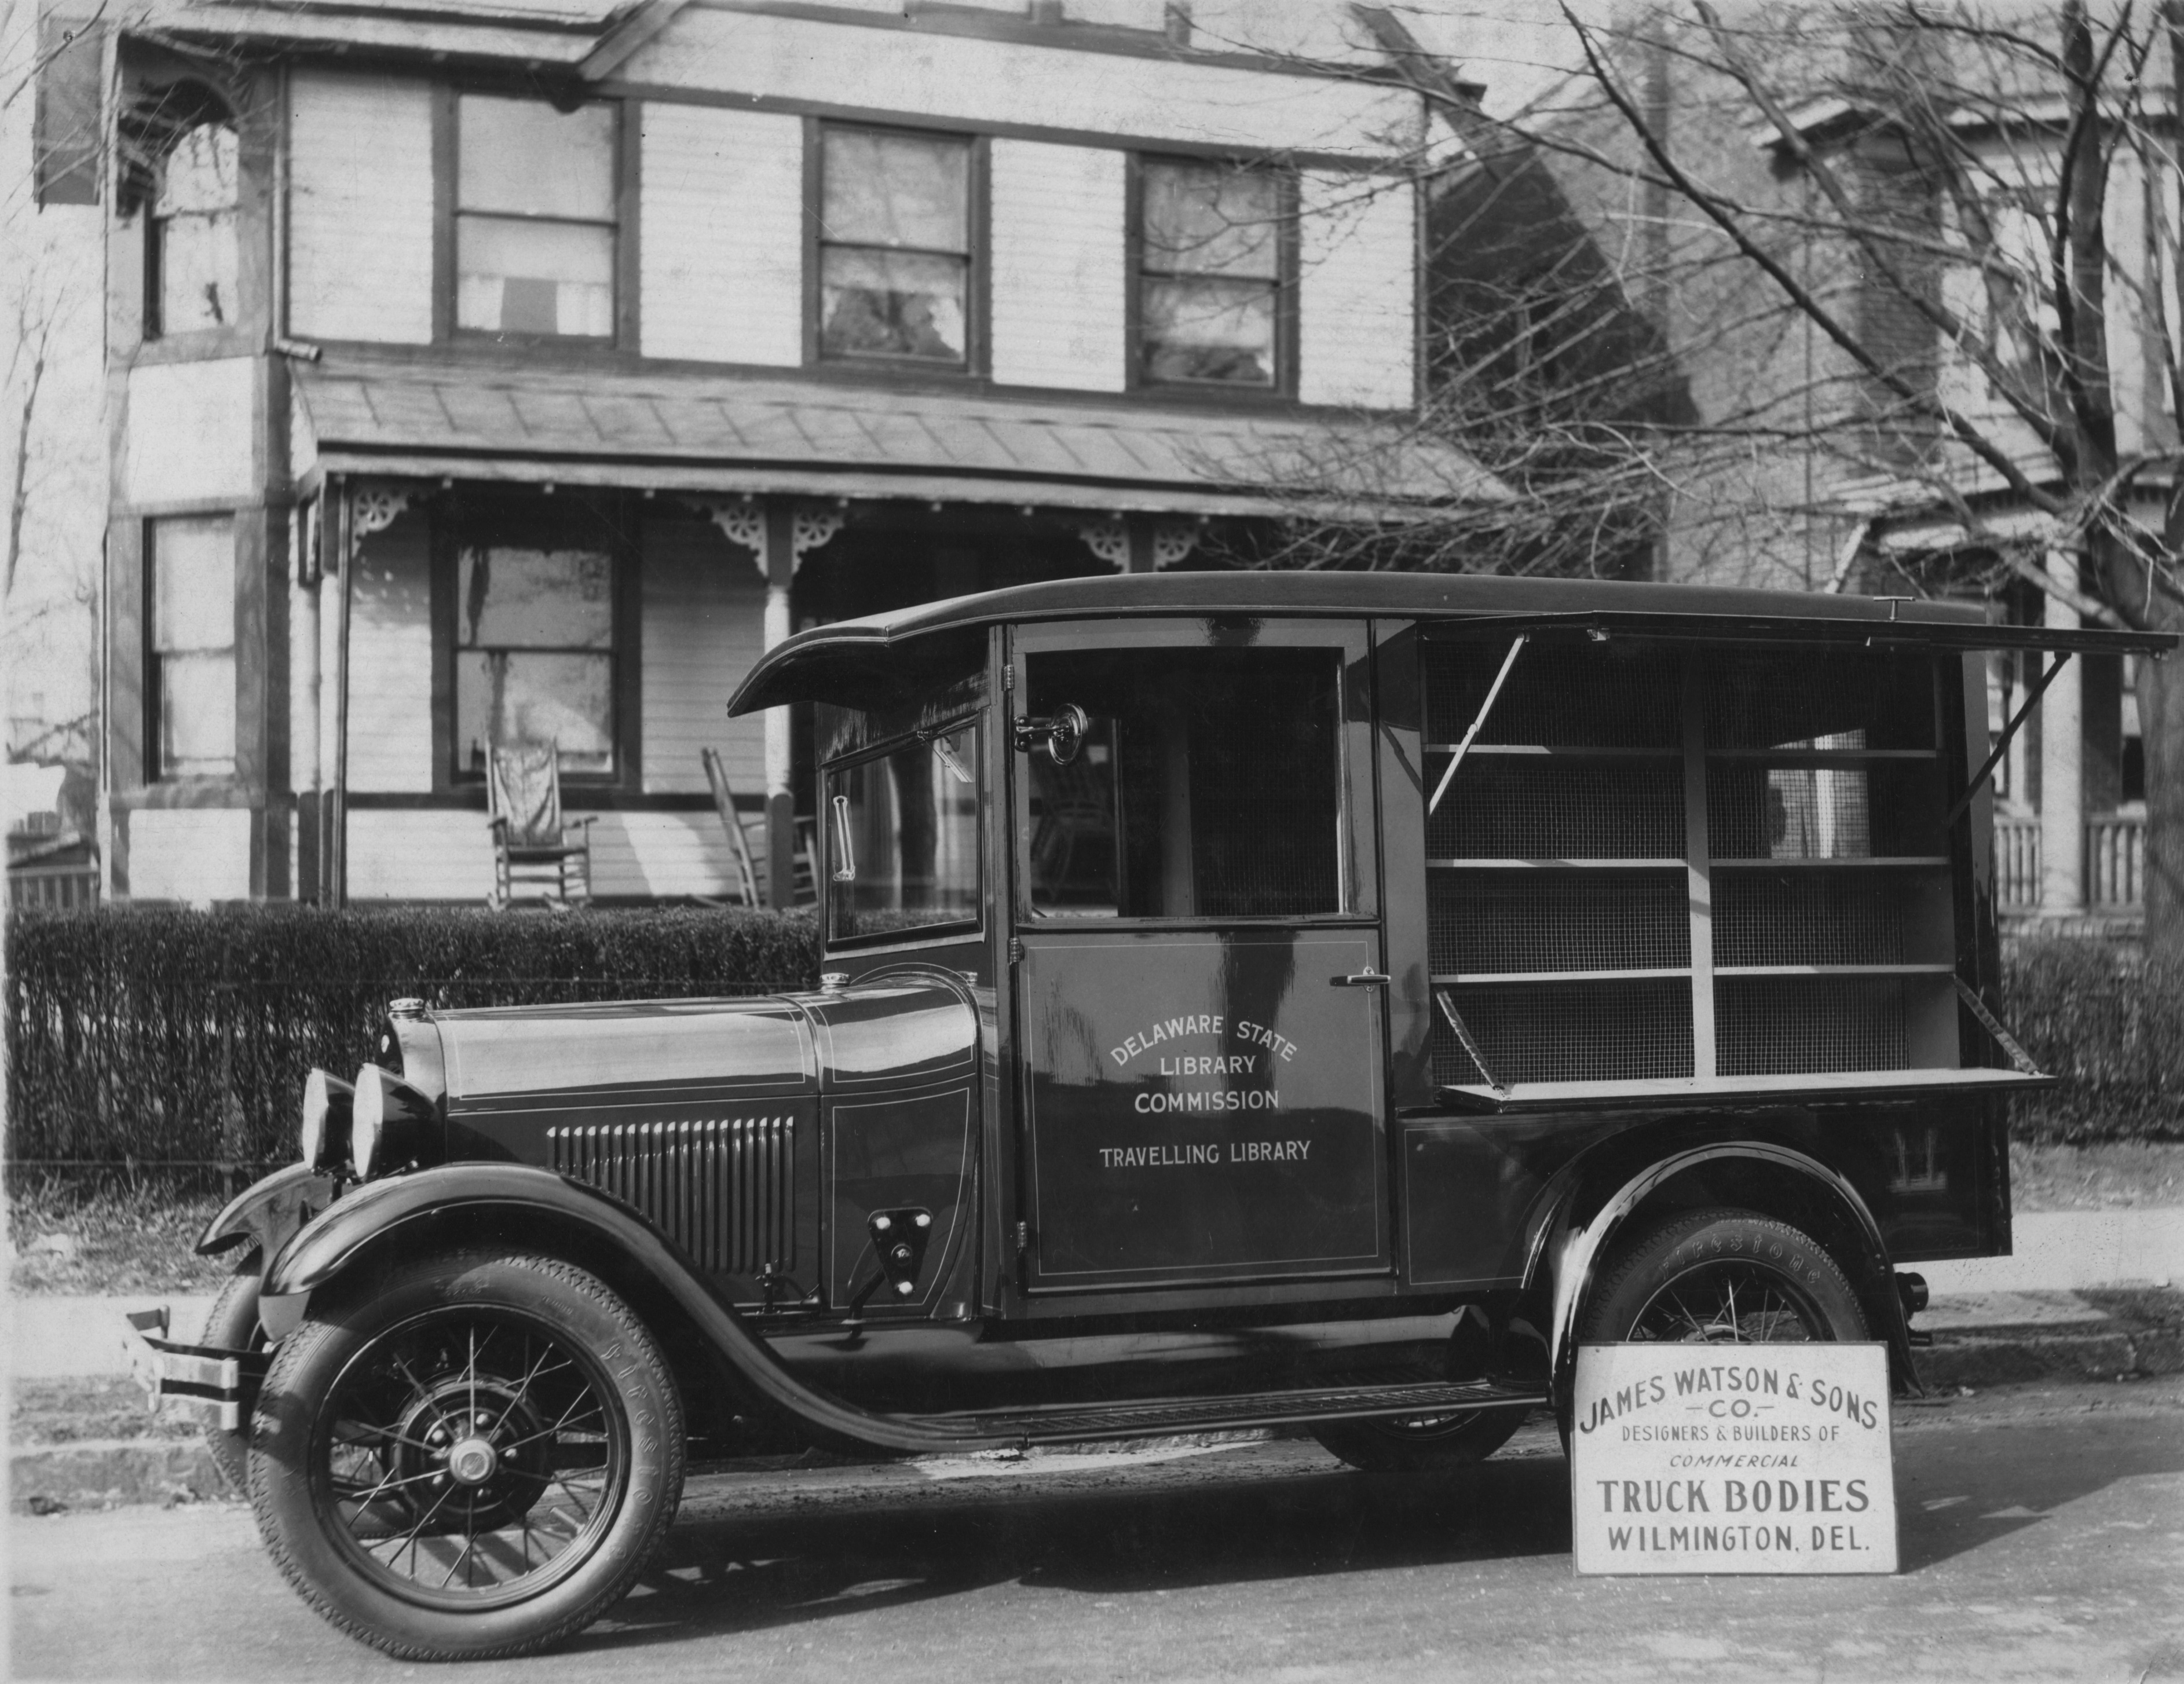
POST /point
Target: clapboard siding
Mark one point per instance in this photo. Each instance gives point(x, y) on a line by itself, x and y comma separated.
point(1058, 265)
point(360, 208)
point(193, 431)
point(975, 83)
point(447, 854)
point(419, 855)
point(705, 609)
point(1357, 305)
point(723, 240)
point(197, 855)
point(390, 661)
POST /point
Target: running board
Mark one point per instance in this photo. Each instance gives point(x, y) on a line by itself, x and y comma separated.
point(1143, 1418)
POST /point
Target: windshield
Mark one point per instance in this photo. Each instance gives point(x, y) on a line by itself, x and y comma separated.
point(902, 837)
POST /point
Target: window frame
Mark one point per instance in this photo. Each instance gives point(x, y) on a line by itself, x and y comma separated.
point(1357, 819)
point(978, 277)
point(979, 719)
point(516, 525)
point(447, 213)
point(152, 327)
point(155, 769)
point(1283, 387)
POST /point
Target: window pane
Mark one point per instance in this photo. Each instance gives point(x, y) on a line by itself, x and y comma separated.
point(197, 715)
point(200, 174)
point(534, 277)
point(1210, 330)
point(197, 272)
point(525, 697)
point(891, 303)
point(523, 155)
point(896, 190)
point(1209, 786)
point(1206, 220)
point(534, 598)
point(902, 842)
point(193, 584)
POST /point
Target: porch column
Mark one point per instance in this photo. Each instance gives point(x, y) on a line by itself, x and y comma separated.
point(790, 529)
point(304, 699)
point(2062, 767)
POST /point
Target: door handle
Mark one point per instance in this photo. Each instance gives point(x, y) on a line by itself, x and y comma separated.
point(1361, 979)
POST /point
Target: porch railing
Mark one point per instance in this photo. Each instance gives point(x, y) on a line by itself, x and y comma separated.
point(2115, 862)
point(56, 886)
point(2016, 863)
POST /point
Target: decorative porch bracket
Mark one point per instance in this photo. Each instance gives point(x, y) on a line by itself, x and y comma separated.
point(1138, 547)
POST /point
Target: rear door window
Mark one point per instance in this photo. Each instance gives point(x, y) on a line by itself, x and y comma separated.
point(902, 837)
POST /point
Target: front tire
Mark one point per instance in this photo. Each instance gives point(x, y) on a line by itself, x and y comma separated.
point(232, 1324)
point(473, 1458)
point(1724, 1277)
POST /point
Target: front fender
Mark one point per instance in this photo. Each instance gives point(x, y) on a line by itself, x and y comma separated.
point(269, 1212)
point(322, 1251)
point(1570, 1257)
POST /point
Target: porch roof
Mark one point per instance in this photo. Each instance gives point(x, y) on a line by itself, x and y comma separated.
point(730, 433)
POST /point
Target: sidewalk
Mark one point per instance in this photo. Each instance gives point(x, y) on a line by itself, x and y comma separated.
point(2088, 1294)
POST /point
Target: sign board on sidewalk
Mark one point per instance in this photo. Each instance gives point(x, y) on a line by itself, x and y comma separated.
point(1733, 1459)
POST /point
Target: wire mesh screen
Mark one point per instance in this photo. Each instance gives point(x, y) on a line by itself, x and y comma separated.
point(1560, 810)
point(1756, 811)
point(1807, 918)
point(1766, 1026)
point(1480, 923)
point(1614, 696)
point(1777, 699)
point(1568, 1032)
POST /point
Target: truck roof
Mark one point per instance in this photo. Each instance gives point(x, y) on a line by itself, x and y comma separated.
point(838, 661)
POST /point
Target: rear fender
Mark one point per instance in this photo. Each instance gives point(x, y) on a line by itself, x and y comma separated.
point(269, 1212)
point(386, 1213)
point(1564, 1264)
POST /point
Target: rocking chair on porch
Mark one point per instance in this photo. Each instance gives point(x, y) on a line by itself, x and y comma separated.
point(532, 846)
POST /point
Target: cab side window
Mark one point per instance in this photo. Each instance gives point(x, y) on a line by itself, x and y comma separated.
point(1207, 785)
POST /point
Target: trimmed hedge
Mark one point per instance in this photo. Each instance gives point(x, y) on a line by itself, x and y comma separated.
point(151, 1037)
point(2110, 1023)
point(142, 1038)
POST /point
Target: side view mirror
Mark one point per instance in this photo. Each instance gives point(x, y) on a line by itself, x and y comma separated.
point(1063, 732)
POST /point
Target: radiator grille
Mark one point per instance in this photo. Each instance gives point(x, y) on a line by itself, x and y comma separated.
point(1618, 697)
point(1775, 1026)
point(724, 1191)
point(1482, 922)
point(1568, 1032)
point(1558, 811)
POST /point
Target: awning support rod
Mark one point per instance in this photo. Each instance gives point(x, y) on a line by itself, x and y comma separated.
point(1493, 691)
point(2018, 1056)
point(1470, 1046)
point(2002, 746)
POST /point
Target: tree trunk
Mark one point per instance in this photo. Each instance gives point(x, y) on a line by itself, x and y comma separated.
point(2161, 728)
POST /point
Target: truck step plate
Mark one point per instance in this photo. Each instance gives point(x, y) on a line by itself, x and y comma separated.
point(1138, 1418)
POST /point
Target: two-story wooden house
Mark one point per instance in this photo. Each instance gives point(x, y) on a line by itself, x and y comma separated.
point(518, 370)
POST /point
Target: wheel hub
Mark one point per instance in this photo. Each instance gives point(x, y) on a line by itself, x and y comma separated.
point(472, 1461)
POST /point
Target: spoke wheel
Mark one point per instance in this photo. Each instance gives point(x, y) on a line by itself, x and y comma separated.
point(474, 1458)
point(1724, 1277)
point(232, 1324)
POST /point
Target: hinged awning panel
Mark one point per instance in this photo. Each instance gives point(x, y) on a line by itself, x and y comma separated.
point(1724, 1092)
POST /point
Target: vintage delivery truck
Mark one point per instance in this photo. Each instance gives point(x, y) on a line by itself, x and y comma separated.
point(1313, 1000)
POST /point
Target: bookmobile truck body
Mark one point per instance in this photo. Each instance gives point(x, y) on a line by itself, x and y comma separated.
point(1250, 1000)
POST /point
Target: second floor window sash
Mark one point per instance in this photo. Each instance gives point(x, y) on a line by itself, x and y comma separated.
point(1210, 274)
point(895, 246)
point(535, 219)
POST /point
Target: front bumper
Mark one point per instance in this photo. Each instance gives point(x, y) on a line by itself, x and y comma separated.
point(204, 1383)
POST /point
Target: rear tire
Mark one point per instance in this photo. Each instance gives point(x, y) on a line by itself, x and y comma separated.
point(1724, 1277)
point(472, 1457)
point(1424, 1444)
point(232, 1324)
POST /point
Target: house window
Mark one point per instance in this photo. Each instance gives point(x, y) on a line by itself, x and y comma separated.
point(193, 248)
point(534, 219)
point(534, 655)
point(191, 575)
point(1210, 274)
point(894, 246)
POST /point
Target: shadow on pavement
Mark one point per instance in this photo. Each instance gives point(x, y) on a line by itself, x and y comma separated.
point(726, 1573)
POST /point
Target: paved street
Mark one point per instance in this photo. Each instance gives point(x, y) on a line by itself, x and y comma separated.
point(2043, 1537)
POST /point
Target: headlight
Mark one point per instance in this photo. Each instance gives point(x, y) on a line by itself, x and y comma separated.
point(324, 1135)
point(389, 1122)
